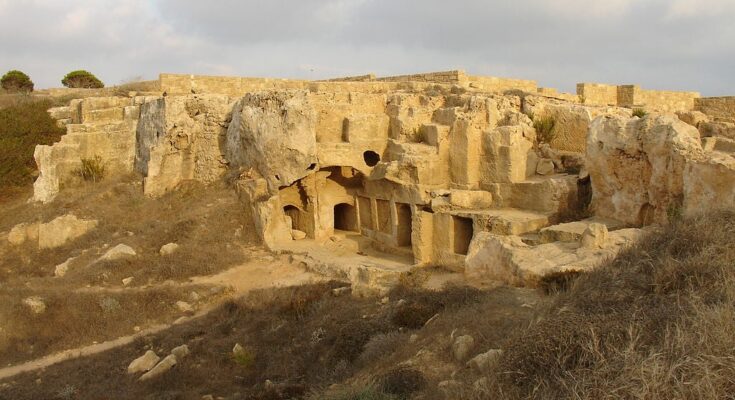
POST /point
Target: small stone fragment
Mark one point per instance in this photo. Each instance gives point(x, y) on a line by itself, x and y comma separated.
point(118, 252)
point(169, 248)
point(160, 368)
point(184, 306)
point(127, 281)
point(595, 236)
point(181, 351)
point(62, 268)
point(36, 304)
point(144, 363)
point(545, 167)
point(483, 361)
point(462, 347)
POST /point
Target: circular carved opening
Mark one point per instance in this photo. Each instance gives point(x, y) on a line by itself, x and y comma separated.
point(371, 158)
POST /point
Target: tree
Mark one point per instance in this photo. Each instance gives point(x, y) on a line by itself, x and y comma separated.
point(16, 81)
point(82, 79)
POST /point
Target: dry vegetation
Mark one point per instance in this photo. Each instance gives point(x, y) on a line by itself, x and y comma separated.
point(655, 323)
point(208, 224)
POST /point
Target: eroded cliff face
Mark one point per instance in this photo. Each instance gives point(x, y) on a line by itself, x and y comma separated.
point(182, 138)
point(275, 134)
point(637, 166)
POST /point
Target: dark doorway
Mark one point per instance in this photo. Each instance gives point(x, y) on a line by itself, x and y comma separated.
point(462, 234)
point(403, 214)
point(345, 217)
point(295, 214)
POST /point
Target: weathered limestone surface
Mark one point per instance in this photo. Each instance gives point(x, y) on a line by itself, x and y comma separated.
point(182, 138)
point(637, 166)
point(62, 230)
point(510, 260)
point(275, 133)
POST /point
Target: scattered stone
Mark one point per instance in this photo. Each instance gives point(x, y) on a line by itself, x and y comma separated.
point(118, 252)
point(168, 249)
point(162, 367)
point(127, 281)
point(22, 232)
point(184, 306)
point(481, 385)
point(483, 361)
point(181, 351)
point(413, 338)
point(595, 236)
point(194, 297)
point(462, 347)
point(62, 268)
point(385, 300)
point(297, 234)
point(545, 167)
point(340, 291)
point(238, 350)
point(62, 230)
point(144, 363)
point(36, 304)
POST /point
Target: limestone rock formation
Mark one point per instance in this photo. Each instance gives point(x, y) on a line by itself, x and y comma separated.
point(117, 253)
point(274, 133)
point(636, 166)
point(144, 363)
point(181, 138)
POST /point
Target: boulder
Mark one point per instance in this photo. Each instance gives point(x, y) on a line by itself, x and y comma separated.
point(118, 252)
point(483, 361)
point(184, 306)
point(36, 304)
point(181, 351)
point(636, 166)
point(144, 363)
point(462, 346)
point(167, 249)
point(162, 367)
point(63, 268)
point(297, 234)
point(62, 230)
point(595, 236)
point(545, 167)
point(21, 233)
point(508, 259)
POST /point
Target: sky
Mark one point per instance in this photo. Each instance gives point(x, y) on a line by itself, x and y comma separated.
point(659, 44)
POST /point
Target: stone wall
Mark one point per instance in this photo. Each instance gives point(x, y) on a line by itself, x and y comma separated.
point(632, 96)
point(656, 100)
point(598, 94)
point(718, 108)
point(447, 77)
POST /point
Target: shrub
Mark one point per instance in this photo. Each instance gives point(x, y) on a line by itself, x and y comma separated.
point(640, 113)
point(23, 126)
point(413, 315)
point(544, 128)
point(16, 81)
point(369, 392)
point(402, 382)
point(82, 79)
point(92, 169)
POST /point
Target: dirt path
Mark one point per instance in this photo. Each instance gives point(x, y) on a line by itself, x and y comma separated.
point(264, 272)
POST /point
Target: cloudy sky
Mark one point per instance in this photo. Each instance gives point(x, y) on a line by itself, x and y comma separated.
point(661, 44)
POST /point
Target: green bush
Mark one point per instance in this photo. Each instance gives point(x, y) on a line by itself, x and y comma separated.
point(16, 82)
point(544, 128)
point(23, 125)
point(639, 112)
point(82, 79)
point(92, 169)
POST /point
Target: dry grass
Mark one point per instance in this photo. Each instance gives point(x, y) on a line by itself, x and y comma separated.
point(656, 323)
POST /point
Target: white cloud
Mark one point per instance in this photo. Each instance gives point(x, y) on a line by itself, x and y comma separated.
point(674, 44)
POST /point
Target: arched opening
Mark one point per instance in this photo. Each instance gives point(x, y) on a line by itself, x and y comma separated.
point(371, 158)
point(294, 215)
point(345, 217)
